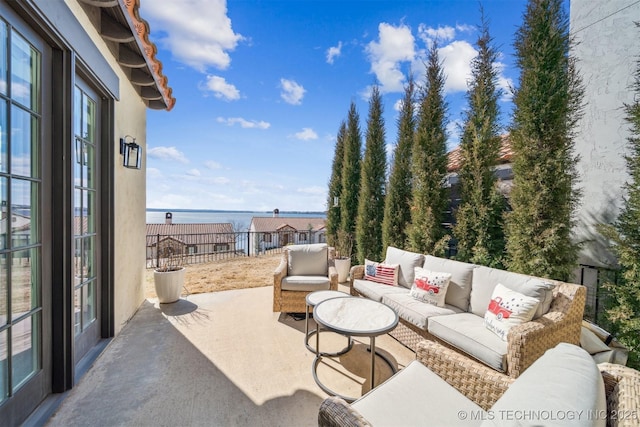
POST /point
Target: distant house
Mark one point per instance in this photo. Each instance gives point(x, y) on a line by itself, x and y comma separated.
point(189, 239)
point(278, 231)
point(503, 171)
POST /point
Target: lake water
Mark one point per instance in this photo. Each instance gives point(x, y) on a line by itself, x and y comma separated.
point(240, 218)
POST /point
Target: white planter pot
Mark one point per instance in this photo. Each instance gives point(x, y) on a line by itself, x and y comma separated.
point(343, 266)
point(168, 285)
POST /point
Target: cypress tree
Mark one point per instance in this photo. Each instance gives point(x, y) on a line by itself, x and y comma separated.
point(479, 229)
point(429, 164)
point(397, 208)
point(372, 184)
point(351, 173)
point(335, 187)
point(623, 309)
point(548, 102)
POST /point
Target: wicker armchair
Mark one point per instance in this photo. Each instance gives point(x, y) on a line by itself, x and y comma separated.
point(525, 342)
point(303, 269)
point(484, 386)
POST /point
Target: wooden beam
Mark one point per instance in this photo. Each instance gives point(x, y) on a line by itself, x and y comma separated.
point(101, 3)
point(111, 29)
point(130, 58)
point(150, 93)
point(140, 78)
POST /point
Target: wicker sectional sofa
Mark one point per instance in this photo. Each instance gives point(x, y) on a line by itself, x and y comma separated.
point(460, 323)
point(443, 387)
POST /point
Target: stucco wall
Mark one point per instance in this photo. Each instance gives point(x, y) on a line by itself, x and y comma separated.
point(129, 189)
point(607, 51)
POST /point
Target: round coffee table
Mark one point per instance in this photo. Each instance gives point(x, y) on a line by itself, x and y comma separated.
point(354, 317)
point(312, 300)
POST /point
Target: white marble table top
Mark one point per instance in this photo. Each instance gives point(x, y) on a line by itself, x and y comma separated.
point(317, 297)
point(355, 316)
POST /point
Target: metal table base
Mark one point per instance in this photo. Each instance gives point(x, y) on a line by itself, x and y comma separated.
point(374, 353)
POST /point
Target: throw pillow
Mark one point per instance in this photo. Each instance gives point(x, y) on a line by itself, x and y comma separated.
point(430, 286)
point(381, 273)
point(507, 309)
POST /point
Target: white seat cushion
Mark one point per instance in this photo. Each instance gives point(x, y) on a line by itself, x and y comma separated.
point(416, 396)
point(376, 291)
point(467, 332)
point(562, 388)
point(305, 283)
point(414, 311)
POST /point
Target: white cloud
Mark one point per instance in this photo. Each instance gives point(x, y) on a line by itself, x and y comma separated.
point(194, 172)
point(210, 164)
point(197, 32)
point(454, 131)
point(167, 153)
point(456, 63)
point(306, 134)
point(395, 45)
point(442, 34)
point(153, 173)
point(333, 52)
point(221, 89)
point(247, 124)
point(504, 83)
point(312, 190)
point(292, 92)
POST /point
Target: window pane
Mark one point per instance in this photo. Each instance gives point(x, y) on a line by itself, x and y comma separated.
point(3, 58)
point(4, 365)
point(88, 167)
point(88, 304)
point(25, 360)
point(78, 154)
point(24, 278)
point(77, 310)
point(25, 73)
point(4, 197)
point(24, 143)
point(77, 263)
point(78, 207)
point(90, 211)
point(77, 108)
point(4, 126)
point(24, 221)
point(88, 118)
point(4, 290)
point(89, 260)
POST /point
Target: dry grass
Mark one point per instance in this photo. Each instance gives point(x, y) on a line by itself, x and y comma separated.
point(233, 273)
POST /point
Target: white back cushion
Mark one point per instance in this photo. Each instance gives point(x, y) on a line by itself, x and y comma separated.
point(485, 280)
point(406, 261)
point(562, 388)
point(461, 278)
point(308, 260)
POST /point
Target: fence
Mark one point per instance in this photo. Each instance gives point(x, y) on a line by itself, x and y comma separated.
point(207, 247)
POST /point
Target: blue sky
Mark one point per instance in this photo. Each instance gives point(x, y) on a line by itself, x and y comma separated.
point(262, 86)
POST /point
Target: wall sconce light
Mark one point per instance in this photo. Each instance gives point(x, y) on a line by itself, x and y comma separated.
point(132, 153)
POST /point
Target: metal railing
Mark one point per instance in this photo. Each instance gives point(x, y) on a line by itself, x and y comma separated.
point(208, 247)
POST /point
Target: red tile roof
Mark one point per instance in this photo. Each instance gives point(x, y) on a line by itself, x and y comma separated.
point(280, 222)
point(504, 155)
point(192, 233)
point(141, 28)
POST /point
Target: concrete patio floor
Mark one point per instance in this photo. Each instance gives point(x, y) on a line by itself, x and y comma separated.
point(217, 359)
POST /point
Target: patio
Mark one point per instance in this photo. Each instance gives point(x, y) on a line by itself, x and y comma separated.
point(216, 359)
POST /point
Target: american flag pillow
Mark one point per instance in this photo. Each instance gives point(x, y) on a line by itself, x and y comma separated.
point(381, 273)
